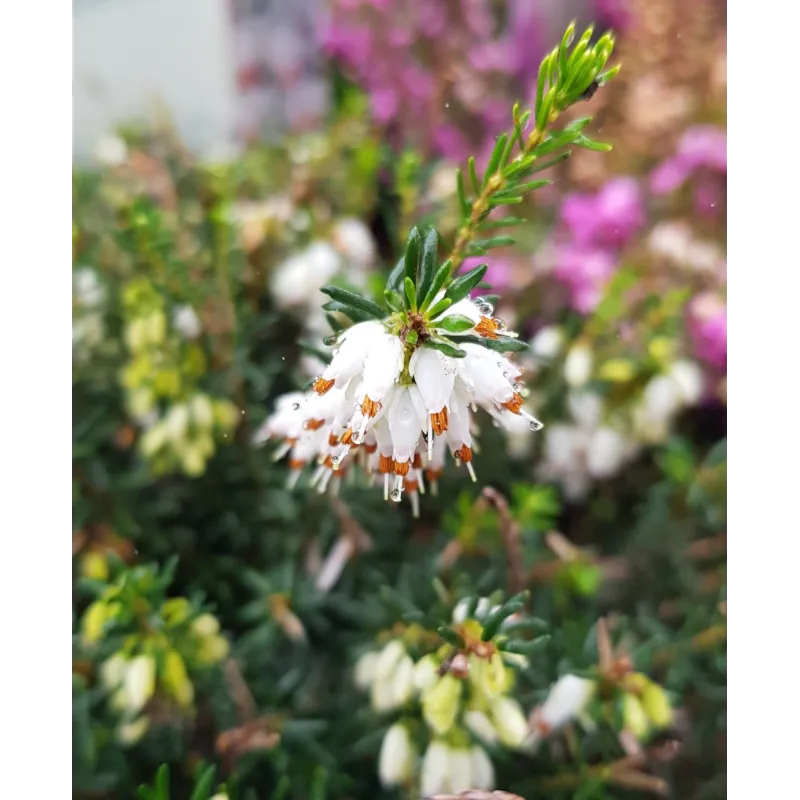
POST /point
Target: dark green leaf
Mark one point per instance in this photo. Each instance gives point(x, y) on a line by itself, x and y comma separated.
point(354, 300)
point(590, 144)
point(462, 198)
point(445, 347)
point(526, 648)
point(464, 284)
point(438, 282)
point(429, 259)
point(349, 311)
point(394, 282)
point(503, 222)
point(394, 300)
point(412, 255)
point(451, 637)
point(202, 788)
point(335, 324)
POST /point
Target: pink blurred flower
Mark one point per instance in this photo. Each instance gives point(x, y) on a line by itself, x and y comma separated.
point(585, 272)
point(498, 274)
point(708, 327)
point(608, 218)
point(701, 146)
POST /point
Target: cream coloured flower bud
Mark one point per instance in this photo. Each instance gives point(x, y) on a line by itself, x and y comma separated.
point(567, 699)
point(205, 625)
point(153, 439)
point(202, 411)
point(112, 671)
point(481, 768)
point(129, 733)
point(510, 722)
point(212, 650)
point(176, 679)
point(578, 366)
point(547, 343)
point(689, 378)
point(139, 682)
point(388, 659)
point(489, 676)
point(607, 452)
point(192, 460)
point(136, 335)
point(364, 672)
point(141, 402)
point(155, 327)
point(426, 672)
point(381, 696)
point(397, 756)
point(480, 724)
point(435, 772)
point(402, 681)
point(440, 703)
point(177, 422)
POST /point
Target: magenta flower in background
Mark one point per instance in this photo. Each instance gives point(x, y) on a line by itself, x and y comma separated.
point(708, 327)
point(614, 14)
point(499, 273)
point(585, 272)
point(704, 146)
point(608, 218)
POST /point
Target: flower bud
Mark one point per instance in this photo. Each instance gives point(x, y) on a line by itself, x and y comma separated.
point(656, 705)
point(488, 676)
point(192, 460)
point(212, 650)
point(136, 335)
point(634, 718)
point(510, 722)
point(205, 625)
point(396, 759)
point(177, 422)
point(153, 439)
point(481, 726)
point(566, 700)
point(364, 672)
point(440, 703)
point(176, 679)
point(175, 610)
point(435, 772)
point(426, 672)
point(547, 343)
point(155, 327)
point(402, 681)
point(112, 671)
point(481, 769)
point(226, 415)
point(460, 769)
point(129, 733)
point(388, 658)
point(93, 621)
point(95, 566)
point(202, 411)
point(139, 682)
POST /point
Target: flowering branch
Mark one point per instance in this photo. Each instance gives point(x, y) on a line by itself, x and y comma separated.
point(564, 78)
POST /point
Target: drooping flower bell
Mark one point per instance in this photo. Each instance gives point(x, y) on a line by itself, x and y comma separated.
point(401, 389)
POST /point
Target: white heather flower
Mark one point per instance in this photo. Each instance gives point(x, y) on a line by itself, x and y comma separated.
point(547, 343)
point(481, 769)
point(461, 777)
point(426, 673)
point(176, 422)
point(186, 322)
point(575, 455)
point(664, 397)
point(578, 366)
point(480, 724)
point(129, 733)
point(352, 238)
point(297, 280)
point(365, 670)
point(392, 677)
point(435, 772)
point(397, 756)
point(689, 377)
point(566, 700)
point(397, 419)
point(87, 289)
point(482, 608)
point(509, 721)
point(112, 671)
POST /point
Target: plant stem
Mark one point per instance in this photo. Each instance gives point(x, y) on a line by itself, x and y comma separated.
point(480, 205)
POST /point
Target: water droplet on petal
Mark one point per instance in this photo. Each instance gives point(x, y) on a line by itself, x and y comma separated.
point(516, 386)
point(499, 324)
point(329, 340)
point(396, 495)
point(335, 463)
point(358, 436)
point(534, 425)
point(295, 406)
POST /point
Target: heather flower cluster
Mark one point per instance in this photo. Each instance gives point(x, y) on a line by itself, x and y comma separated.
point(456, 83)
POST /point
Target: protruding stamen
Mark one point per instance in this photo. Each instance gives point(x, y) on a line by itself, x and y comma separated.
point(291, 480)
point(385, 485)
point(321, 386)
point(421, 481)
point(471, 471)
point(323, 484)
point(284, 448)
point(430, 438)
point(414, 497)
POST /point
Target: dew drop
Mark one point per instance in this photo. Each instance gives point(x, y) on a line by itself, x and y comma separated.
point(516, 386)
point(396, 495)
point(295, 406)
point(335, 463)
point(499, 324)
point(329, 340)
point(358, 436)
point(534, 425)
